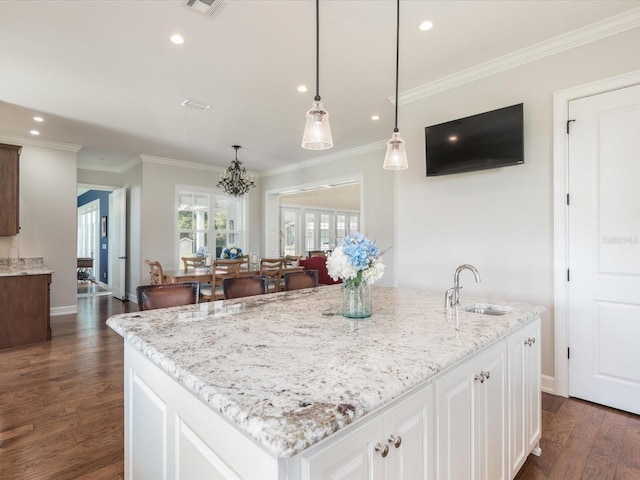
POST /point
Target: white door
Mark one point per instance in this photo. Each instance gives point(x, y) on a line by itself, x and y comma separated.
point(118, 243)
point(604, 248)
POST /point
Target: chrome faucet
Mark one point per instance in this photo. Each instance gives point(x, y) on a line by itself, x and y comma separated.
point(452, 296)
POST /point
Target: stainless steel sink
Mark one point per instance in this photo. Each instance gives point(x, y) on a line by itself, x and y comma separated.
point(485, 309)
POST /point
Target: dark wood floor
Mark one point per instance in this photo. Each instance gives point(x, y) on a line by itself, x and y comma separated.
point(61, 402)
point(585, 441)
point(61, 412)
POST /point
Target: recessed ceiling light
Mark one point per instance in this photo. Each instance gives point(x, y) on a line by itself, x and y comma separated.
point(38, 119)
point(302, 88)
point(375, 117)
point(34, 132)
point(177, 39)
point(453, 138)
point(426, 25)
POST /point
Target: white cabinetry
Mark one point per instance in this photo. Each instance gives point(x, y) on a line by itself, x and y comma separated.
point(471, 405)
point(524, 394)
point(394, 445)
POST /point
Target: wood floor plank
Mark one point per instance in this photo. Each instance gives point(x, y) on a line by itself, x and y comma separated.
point(629, 460)
point(603, 457)
point(571, 463)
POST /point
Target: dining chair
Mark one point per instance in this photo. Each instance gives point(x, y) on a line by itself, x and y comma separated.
point(299, 280)
point(220, 270)
point(156, 273)
point(272, 267)
point(167, 295)
point(292, 260)
point(193, 262)
point(245, 286)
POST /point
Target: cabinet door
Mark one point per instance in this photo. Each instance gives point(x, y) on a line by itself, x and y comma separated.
point(533, 390)
point(524, 393)
point(455, 407)
point(470, 406)
point(351, 457)
point(492, 405)
point(409, 429)
point(9, 189)
point(517, 366)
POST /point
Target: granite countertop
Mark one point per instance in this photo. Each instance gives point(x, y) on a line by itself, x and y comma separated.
point(288, 369)
point(11, 267)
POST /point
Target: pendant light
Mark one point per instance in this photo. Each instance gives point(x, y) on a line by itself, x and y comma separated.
point(396, 156)
point(317, 132)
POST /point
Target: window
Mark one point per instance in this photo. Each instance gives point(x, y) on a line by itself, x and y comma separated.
point(193, 223)
point(321, 229)
point(197, 231)
point(289, 228)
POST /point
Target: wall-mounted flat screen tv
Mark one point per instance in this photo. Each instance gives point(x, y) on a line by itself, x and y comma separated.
point(486, 140)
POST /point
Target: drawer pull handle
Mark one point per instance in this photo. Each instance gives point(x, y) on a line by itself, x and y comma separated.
point(383, 450)
point(480, 377)
point(487, 374)
point(396, 441)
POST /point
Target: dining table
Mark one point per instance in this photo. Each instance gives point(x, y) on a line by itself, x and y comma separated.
point(203, 274)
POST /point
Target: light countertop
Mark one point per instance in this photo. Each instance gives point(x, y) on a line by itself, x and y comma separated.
point(11, 267)
point(288, 369)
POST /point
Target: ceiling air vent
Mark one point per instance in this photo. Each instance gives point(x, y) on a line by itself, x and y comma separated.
point(208, 7)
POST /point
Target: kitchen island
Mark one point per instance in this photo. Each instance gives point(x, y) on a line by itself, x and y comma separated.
point(282, 386)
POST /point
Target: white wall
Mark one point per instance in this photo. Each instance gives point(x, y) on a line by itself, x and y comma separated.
point(377, 199)
point(48, 216)
point(499, 220)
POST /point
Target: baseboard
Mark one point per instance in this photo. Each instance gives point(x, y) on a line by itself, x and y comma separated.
point(548, 384)
point(67, 310)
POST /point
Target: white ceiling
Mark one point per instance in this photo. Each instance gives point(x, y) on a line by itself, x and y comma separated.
point(104, 75)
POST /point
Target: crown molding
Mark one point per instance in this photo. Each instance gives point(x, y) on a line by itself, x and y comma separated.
point(180, 163)
point(575, 38)
point(103, 168)
point(67, 147)
point(351, 152)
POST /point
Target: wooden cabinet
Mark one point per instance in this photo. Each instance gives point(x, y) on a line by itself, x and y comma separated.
point(393, 445)
point(471, 406)
point(9, 189)
point(524, 394)
point(24, 316)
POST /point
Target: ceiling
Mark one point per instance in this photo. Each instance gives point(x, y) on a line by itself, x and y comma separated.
point(104, 74)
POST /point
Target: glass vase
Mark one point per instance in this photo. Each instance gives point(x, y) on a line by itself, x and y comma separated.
point(356, 300)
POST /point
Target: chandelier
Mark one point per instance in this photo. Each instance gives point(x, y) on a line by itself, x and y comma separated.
point(234, 179)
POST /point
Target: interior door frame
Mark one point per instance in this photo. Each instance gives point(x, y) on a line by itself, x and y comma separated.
point(561, 101)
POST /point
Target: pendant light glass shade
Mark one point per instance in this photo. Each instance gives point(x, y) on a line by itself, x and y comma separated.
point(396, 156)
point(317, 132)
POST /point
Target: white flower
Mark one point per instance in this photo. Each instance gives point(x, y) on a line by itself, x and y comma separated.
point(374, 272)
point(339, 266)
point(360, 263)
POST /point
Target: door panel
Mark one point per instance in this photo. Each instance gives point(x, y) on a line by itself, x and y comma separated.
point(604, 248)
point(118, 236)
